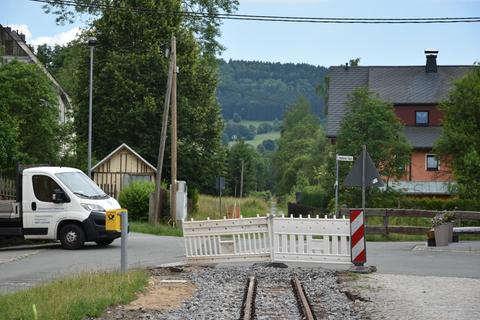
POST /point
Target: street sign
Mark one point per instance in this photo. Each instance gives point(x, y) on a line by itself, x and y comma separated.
point(220, 183)
point(344, 158)
point(372, 177)
point(113, 220)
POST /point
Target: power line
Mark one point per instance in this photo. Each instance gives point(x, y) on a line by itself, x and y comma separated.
point(271, 18)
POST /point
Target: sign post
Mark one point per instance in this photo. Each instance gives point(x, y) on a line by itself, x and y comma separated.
point(339, 158)
point(363, 174)
point(220, 186)
point(117, 220)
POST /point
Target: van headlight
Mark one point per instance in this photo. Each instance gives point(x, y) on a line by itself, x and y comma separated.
point(92, 207)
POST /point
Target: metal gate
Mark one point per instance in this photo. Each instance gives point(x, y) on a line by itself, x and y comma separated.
point(270, 238)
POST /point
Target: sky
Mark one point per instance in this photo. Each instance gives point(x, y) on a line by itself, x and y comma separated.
point(317, 44)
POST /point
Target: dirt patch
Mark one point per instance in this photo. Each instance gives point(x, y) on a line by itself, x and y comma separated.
point(163, 294)
point(167, 289)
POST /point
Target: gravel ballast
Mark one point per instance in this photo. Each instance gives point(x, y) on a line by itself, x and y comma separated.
point(219, 294)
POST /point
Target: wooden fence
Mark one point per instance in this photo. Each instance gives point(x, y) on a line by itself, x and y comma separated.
point(7, 188)
point(386, 213)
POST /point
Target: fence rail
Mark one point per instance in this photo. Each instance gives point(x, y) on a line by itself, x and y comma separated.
point(386, 228)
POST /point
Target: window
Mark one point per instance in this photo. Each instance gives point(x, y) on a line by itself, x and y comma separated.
point(432, 162)
point(421, 118)
point(81, 185)
point(43, 187)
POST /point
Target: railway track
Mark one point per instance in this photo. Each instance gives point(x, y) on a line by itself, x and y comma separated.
point(271, 301)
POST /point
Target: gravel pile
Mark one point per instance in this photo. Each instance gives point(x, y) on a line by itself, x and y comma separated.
point(220, 292)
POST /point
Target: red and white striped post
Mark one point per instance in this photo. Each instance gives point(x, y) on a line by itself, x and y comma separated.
point(357, 238)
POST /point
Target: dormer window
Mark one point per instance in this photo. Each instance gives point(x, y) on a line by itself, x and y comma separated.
point(421, 118)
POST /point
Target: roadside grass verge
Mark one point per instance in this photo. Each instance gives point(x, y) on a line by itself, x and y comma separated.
point(159, 230)
point(73, 297)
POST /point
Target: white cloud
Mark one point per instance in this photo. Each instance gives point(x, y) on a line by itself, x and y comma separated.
point(22, 28)
point(61, 38)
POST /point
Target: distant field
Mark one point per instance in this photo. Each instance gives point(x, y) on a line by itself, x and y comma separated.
point(254, 122)
point(260, 137)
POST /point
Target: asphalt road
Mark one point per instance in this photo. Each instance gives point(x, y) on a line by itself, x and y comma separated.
point(24, 268)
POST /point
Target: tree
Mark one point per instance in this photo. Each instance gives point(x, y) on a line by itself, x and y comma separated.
point(373, 122)
point(130, 75)
point(302, 147)
point(30, 131)
point(205, 27)
point(354, 62)
point(254, 171)
point(460, 140)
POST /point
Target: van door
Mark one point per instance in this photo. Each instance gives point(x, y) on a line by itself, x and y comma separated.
point(40, 213)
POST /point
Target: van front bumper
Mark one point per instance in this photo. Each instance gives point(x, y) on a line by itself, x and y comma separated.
point(94, 227)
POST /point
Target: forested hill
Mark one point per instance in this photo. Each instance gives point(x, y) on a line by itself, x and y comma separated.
point(262, 90)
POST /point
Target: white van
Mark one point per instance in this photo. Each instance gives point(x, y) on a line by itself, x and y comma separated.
point(57, 203)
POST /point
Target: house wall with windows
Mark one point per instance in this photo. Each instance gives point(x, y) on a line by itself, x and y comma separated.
point(424, 166)
point(413, 115)
point(415, 92)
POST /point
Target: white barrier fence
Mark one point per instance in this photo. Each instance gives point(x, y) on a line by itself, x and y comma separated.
point(311, 240)
point(270, 238)
point(232, 240)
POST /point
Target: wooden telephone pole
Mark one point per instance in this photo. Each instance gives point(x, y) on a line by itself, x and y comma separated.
point(155, 218)
point(173, 193)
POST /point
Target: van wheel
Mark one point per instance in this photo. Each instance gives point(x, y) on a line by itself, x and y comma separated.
point(72, 237)
point(104, 242)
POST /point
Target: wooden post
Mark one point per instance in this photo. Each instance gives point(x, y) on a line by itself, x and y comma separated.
point(173, 191)
point(241, 179)
point(385, 223)
point(155, 216)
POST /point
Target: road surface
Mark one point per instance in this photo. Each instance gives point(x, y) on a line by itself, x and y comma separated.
point(24, 268)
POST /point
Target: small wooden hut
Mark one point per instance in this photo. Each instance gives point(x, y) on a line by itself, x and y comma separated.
point(120, 168)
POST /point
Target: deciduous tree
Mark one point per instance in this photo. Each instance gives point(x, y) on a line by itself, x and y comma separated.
point(460, 140)
point(373, 122)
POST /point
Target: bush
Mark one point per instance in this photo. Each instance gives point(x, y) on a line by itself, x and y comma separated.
point(314, 196)
point(193, 195)
point(135, 198)
point(265, 195)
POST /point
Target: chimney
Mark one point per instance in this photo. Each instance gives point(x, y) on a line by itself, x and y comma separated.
point(431, 65)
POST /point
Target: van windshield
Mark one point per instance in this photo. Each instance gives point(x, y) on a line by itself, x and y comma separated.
point(81, 185)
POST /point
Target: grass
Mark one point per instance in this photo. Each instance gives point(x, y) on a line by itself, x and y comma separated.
point(75, 297)
point(255, 123)
point(208, 206)
point(265, 136)
point(159, 230)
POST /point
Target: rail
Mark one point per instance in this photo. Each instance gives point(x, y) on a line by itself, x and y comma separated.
point(386, 213)
point(248, 304)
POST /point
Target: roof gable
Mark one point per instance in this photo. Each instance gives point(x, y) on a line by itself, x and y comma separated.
point(117, 150)
point(395, 84)
point(34, 58)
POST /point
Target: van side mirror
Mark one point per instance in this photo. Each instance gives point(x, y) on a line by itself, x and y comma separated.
point(59, 196)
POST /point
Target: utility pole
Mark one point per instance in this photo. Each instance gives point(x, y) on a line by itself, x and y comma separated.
point(241, 179)
point(163, 137)
point(91, 43)
point(173, 193)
